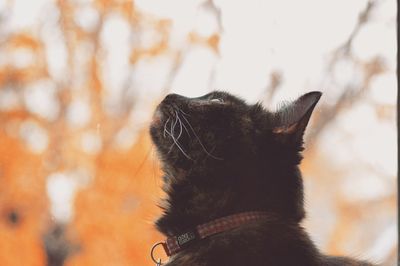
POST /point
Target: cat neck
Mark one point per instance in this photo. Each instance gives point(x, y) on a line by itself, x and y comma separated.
point(193, 199)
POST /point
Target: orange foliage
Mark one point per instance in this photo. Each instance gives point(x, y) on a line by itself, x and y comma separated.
point(113, 222)
point(160, 47)
point(21, 75)
point(24, 40)
point(211, 41)
point(23, 204)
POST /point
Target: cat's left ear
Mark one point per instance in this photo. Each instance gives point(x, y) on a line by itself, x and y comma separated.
point(291, 120)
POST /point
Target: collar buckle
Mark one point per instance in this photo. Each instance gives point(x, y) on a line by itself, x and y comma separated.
point(186, 238)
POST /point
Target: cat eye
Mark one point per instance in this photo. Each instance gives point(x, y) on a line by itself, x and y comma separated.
point(217, 100)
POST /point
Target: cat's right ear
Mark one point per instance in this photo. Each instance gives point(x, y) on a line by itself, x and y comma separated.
point(290, 122)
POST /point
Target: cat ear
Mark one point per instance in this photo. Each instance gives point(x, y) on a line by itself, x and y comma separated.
point(291, 120)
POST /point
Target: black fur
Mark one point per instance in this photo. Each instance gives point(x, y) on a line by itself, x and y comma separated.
point(222, 156)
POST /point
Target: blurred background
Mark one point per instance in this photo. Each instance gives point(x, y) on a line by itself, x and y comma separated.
point(79, 81)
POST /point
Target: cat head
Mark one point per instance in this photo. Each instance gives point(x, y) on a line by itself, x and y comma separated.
point(218, 147)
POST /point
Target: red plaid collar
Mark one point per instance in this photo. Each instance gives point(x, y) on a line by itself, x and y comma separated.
point(174, 244)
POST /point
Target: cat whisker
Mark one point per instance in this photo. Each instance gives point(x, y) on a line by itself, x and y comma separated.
point(173, 126)
point(165, 127)
point(183, 124)
point(172, 145)
point(172, 130)
point(201, 143)
point(183, 152)
point(176, 142)
point(171, 134)
point(182, 112)
point(184, 116)
point(186, 129)
point(180, 126)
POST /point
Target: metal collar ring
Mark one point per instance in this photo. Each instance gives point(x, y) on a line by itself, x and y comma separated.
point(157, 262)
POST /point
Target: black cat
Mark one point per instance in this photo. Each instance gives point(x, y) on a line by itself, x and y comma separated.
point(223, 157)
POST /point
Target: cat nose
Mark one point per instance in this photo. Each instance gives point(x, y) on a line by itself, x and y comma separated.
point(173, 97)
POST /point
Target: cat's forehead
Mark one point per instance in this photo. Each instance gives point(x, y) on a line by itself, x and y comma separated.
point(226, 96)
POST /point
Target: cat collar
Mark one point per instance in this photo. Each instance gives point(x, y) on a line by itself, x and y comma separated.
point(174, 244)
